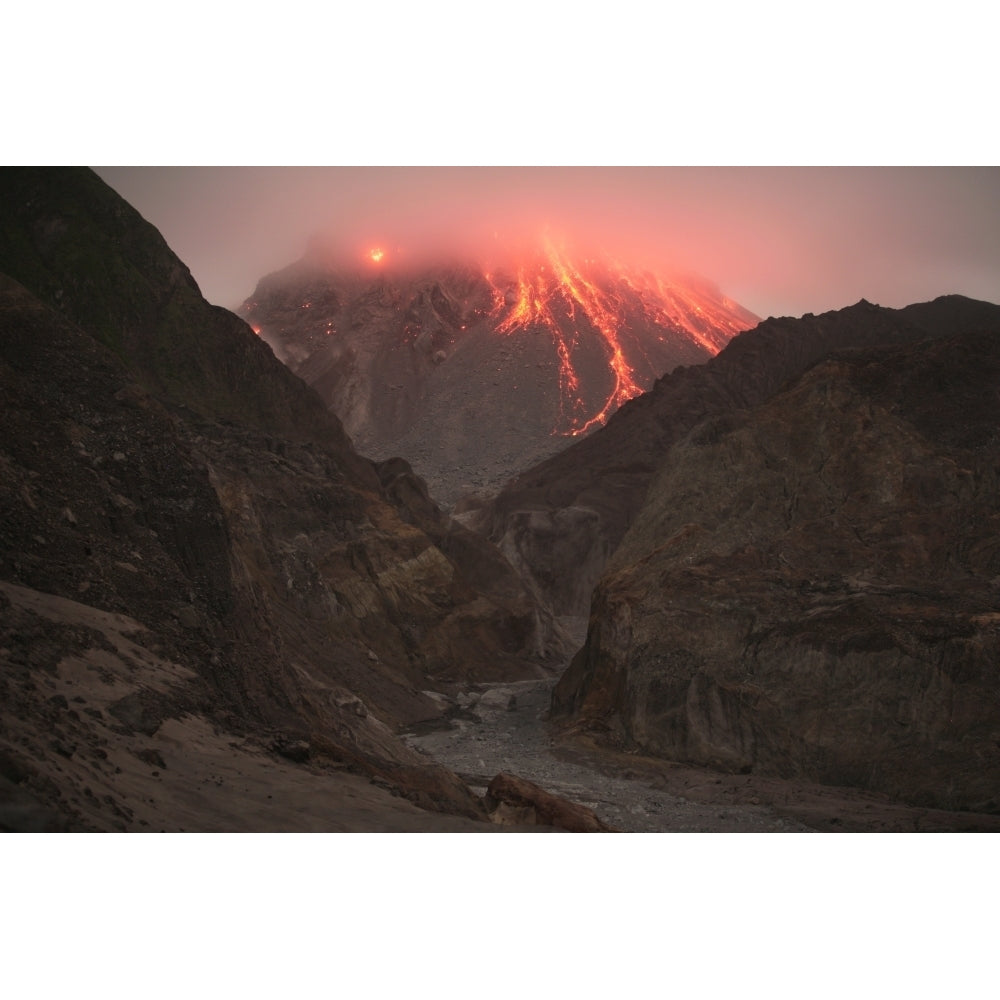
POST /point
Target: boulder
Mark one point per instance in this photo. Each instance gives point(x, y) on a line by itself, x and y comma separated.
point(513, 801)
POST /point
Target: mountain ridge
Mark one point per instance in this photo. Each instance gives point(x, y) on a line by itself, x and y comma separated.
point(573, 509)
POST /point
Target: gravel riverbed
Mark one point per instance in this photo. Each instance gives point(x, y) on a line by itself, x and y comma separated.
point(504, 728)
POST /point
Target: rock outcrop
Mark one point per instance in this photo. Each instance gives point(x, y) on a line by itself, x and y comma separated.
point(811, 588)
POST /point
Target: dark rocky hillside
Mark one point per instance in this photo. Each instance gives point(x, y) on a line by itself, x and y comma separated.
point(193, 557)
point(559, 522)
point(811, 586)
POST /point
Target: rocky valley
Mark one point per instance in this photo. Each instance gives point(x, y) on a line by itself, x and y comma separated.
point(761, 595)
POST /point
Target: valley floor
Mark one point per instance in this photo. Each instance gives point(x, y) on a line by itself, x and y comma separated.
point(504, 728)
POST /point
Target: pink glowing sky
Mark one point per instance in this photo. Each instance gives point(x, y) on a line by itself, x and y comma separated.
point(779, 240)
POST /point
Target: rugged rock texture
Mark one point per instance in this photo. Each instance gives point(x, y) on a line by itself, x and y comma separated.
point(812, 586)
point(159, 463)
point(472, 374)
point(559, 522)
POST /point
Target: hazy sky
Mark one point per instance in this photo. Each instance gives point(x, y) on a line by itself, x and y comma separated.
point(781, 241)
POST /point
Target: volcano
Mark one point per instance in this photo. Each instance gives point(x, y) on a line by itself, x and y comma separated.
point(474, 372)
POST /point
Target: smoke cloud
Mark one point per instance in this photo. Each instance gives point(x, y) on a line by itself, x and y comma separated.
point(781, 241)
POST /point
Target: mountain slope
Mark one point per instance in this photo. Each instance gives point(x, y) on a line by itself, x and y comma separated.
point(810, 588)
point(67, 237)
point(306, 600)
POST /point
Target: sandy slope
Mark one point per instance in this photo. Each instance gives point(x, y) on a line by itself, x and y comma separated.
point(78, 749)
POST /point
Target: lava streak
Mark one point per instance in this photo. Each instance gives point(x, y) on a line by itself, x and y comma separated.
point(574, 301)
point(604, 316)
point(532, 303)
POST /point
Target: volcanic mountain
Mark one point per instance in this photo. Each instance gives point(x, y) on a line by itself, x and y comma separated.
point(476, 372)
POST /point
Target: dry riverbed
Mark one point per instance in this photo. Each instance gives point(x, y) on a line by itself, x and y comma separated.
point(495, 728)
point(503, 728)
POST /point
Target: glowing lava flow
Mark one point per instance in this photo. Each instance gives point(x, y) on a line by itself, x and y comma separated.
point(710, 324)
point(559, 296)
point(532, 306)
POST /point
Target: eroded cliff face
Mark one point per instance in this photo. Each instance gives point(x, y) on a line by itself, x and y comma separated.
point(812, 586)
